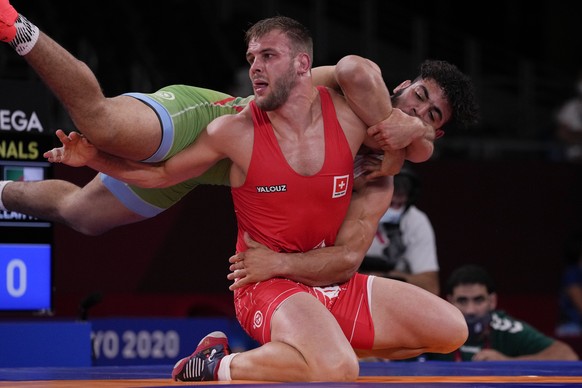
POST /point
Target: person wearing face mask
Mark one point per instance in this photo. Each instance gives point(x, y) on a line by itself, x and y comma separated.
point(404, 246)
point(493, 334)
point(569, 125)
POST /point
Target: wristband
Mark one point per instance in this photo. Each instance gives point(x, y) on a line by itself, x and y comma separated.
point(2, 185)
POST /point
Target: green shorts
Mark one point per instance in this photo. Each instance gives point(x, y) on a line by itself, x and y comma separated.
point(184, 112)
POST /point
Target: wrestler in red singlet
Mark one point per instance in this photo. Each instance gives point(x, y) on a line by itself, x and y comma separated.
point(289, 212)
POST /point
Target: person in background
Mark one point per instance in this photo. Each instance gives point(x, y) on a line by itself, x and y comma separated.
point(569, 125)
point(570, 299)
point(493, 334)
point(404, 247)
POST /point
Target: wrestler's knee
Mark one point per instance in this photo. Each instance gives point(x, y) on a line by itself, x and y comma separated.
point(460, 329)
point(456, 331)
point(342, 368)
point(86, 218)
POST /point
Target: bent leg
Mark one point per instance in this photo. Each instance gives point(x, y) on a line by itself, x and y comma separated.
point(409, 321)
point(91, 210)
point(307, 344)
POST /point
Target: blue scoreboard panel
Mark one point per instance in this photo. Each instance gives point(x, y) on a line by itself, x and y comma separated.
point(26, 243)
point(26, 277)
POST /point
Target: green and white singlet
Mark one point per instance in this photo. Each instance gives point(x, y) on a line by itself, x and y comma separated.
point(184, 112)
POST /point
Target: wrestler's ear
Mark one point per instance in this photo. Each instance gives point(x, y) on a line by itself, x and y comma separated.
point(403, 85)
point(303, 63)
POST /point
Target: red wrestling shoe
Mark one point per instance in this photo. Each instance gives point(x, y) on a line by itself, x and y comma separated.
point(202, 365)
point(8, 16)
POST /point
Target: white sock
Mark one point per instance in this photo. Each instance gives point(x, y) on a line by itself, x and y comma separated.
point(26, 36)
point(224, 368)
point(2, 185)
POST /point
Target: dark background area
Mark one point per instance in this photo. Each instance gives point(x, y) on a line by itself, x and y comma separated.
point(498, 195)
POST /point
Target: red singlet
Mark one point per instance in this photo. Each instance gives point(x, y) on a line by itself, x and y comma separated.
point(289, 212)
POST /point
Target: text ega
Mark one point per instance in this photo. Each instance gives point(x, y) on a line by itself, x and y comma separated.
point(19, 121)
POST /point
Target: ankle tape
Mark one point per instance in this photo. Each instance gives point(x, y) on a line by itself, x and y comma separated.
point(26, 36)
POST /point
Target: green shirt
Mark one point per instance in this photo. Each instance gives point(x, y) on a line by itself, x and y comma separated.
point(506, 334)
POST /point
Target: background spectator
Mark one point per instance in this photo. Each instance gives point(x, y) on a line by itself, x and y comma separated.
point(493, 334)
point(404, 247)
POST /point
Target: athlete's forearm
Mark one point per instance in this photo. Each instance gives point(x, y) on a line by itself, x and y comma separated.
point(337, 264)
point(364, 89)
point(77, 151)
point(140, 174)
point(321, 267)
point(558, 350)
point(421, 149)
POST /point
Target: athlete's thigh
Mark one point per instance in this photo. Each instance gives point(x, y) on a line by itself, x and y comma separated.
point(407, 316)
point(129, 129)
point(306, 324)
point(95, 210)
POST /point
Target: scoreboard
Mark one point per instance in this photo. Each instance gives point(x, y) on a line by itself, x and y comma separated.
point(26, 242)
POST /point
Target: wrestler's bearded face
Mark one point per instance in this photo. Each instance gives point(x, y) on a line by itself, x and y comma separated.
point(280, 90)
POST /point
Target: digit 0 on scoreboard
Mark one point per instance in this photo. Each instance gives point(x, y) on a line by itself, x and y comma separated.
point(25, 277)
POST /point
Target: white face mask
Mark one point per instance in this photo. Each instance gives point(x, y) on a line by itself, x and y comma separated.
point(392, 216)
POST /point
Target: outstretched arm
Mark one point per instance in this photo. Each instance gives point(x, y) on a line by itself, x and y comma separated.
point(558, 350)
point(77, 151)
point(191, 162)
point(324, 266)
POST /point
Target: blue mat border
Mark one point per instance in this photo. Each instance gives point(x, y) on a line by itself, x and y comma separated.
point(429, 368)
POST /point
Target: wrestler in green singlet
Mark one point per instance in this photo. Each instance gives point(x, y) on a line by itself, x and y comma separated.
point(184, 112)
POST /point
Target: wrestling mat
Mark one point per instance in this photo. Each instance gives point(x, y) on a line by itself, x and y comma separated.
point(372, 374)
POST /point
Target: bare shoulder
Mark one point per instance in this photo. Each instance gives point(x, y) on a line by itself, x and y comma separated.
point(232, 135)
point(227, 125)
